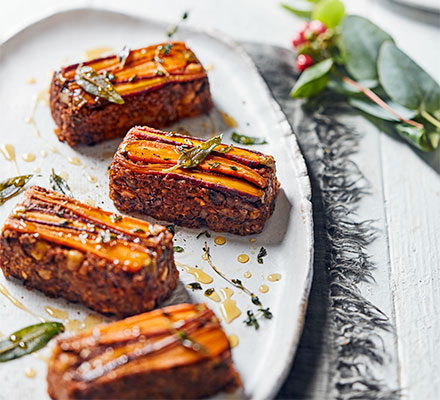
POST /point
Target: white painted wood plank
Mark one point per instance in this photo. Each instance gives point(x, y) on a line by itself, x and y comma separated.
point(412, 201)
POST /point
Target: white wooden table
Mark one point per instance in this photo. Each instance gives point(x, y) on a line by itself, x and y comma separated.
point(405, 189)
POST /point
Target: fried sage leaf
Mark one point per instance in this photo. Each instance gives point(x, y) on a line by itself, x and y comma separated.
point(58, 184)
point(12, 187)
point(193, 157)
point(123, 55)
point(96, 84)
point(28, 340)
point(243, 139)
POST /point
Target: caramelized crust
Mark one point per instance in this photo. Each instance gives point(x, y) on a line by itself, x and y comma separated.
point(159, 87)
point(177, 352)
point(232, 190)
point(111, 263)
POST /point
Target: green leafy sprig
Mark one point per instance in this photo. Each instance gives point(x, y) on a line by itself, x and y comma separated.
point(362, 62)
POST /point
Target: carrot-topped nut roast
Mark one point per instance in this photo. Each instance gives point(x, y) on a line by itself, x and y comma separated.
point(178, 352)
point(101, 99)
point(193, 182)
point(111, 263)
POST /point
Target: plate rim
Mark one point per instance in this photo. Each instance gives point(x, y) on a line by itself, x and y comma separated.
point(288, 134)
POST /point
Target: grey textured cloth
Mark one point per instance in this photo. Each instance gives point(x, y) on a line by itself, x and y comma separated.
point(336, 348)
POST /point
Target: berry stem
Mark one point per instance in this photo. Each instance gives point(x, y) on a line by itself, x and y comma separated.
point(430, 119)
point(374, 97)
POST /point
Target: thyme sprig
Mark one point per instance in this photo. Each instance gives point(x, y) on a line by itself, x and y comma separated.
point(264, 312)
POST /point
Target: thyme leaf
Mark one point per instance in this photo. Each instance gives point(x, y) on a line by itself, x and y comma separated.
point(243, 139)
point(226, 149)
point(58, 184)
point(172, 31)
point(106, 236)
point(209, 291)
point(12, 187)
point(179, 249)
point(194, 286)
point(98, 85)
point(115, 217)
point(206, 233)
point(165, 50)
point(133, 78)
point(262, 253)
point(251, 320)
point(171, 228)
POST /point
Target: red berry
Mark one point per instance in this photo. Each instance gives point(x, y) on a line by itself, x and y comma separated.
point(317, 26)
point(298, 39)
point(303, 27)
point(303, 62)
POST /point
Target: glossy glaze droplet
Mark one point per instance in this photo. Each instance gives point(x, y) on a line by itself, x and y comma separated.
point(247, 274)
point(233, 340)
point(74, 325)
point(91, 321)
point(263, 288)
point(274, 277)
point(98, 52)
point(17, 303)
point(37, 170)
point(43, 153)
point(8, 151)
point(31, 81)
point(220, 240)
point(200, 276)
point(91, 178)
point(90, 202)
point(213, 296)
point(64, 175)
point(243, 258)
point(30, 372)
point(74, 160)
point(231, 122)
point(53, 149)
point(29, 157)
point(56, 313)
point(228, 308)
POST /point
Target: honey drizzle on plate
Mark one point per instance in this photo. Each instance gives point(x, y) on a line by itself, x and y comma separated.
point(274, 277)
point(233, 340)
point(17, 303)
point(229, 308)
point(200, 275)
point(8, 152)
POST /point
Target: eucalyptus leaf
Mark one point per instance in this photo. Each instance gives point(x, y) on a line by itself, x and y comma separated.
point(329, 12)
point(307, 14)
point(340, 86)
point(28, 340)
point(360, 42)
point(243, 139)
point(405, 81)
point(313, 79)
point(97, 84)
point(373, 109)
point(11, 187)
point(420, 138)
point(58, 184)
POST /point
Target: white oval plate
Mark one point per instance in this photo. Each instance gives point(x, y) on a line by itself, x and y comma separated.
point(262, 357)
